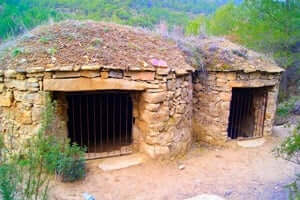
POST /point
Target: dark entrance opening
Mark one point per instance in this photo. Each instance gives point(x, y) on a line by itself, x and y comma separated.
point(247, 112)
point(101, 122)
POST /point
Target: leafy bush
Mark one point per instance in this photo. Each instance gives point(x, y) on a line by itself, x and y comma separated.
point(289, 149)
point(26, 173)
point(285, 107)
point(71, 165)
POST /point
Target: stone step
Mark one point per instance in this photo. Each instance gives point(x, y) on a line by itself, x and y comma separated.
point(121, 162)
point(251, 143)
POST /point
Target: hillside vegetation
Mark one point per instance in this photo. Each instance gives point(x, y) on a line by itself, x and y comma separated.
point(268, 26)
point(19, 15)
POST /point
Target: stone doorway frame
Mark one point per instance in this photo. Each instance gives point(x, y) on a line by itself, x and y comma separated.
point(247, 112)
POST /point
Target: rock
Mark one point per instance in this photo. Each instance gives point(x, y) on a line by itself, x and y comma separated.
point(116, 163)
point(87, 196)
point(181, 72)
point(89, 84)
point(158, 63)
point(296, 109)
point(154, 97)
point(115, 74)
point(66, 75)
point(35, 70)
point(90, 67)
point(228, 193)
point(6, 99)
point(24, 116)
point(181, 167)
point(104, 74)
point(163, 71)
point(90, 74)
point(67, 68)
point(20, 76)
point(10, 73)
point(144, 75)
point(150, 107)
point(1, 87)
point(251, 143)
point(18, 84)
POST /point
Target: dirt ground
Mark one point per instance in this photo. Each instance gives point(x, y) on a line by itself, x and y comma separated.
point(235, 173)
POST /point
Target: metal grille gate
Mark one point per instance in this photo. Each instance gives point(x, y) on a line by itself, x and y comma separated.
point(247, 112)
point(101, 122)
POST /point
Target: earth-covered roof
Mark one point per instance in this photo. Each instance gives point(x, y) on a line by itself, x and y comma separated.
point(79, 43)
point(220, 54)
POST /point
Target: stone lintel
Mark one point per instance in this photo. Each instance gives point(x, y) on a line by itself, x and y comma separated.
point(90, 84)
point(253, 83)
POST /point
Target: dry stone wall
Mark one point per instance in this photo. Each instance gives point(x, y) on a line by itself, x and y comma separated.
point(162, 99)
point(212, 97)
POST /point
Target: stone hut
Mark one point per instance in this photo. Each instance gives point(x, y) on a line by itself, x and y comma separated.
point(120, 90)
point(235, 98)
point(117, 89)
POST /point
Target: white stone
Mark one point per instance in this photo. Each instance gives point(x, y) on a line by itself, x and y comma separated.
point(116, 163)
point(251, 143)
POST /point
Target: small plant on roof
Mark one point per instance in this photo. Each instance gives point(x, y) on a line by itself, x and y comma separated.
point(17, 51)
point(44, 40)
point(51, 51)
point(96, 42)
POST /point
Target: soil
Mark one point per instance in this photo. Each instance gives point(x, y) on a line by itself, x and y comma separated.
point(88, 43)
point(233, 173)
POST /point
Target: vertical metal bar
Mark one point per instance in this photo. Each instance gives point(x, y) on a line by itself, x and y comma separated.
point(265, 110)
point(260, 103)
point(88, 121)
point(114, 116)
point(95, 135)
point(101, 122)
point(249, 102)
point(240, 113)
point(120, 120)
point(232, 109)
point(126, 120)
point(73, 118)
point(80, 114)
point(244, 114)
point(107, 139)
point(237, 116)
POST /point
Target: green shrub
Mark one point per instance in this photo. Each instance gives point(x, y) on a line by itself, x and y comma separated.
point(285, 107)
point(71, 165)
point(17, 51)
point(26, 173)
point(289, 149)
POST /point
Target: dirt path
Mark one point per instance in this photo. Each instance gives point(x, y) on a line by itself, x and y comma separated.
point(234, 173)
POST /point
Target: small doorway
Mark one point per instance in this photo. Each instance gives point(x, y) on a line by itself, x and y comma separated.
point(101, 121)
point(247, 112)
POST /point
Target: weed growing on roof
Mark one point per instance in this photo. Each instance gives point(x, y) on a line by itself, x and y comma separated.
point(51, 51)
point(96, 42)
point(17, 51)
point(44, 40)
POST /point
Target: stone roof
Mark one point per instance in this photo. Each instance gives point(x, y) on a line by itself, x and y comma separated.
point(219, 54)
point(88, 43)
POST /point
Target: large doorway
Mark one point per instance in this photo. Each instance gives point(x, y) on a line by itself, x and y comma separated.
point(101, 122)
point(247, 112)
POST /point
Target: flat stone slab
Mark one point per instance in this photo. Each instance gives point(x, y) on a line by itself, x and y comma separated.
point(120, 162)
point(206, 197)
point(251, 143)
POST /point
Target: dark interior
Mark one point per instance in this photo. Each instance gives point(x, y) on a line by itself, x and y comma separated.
point(101, 122)
point(247, 112)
